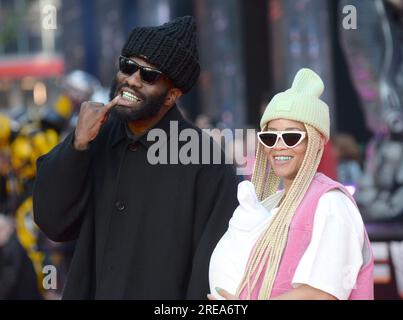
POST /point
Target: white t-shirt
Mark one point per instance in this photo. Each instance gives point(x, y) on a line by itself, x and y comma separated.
point(331, 262)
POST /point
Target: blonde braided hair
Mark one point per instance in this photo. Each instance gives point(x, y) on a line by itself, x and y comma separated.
point(271, 244)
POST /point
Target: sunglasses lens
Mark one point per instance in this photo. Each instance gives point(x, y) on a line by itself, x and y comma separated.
point(268, 139)
point(127, 66)
point(130, 67)
point(149, 76)
point(291, 139)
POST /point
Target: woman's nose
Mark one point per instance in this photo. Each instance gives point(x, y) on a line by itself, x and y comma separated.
point(280, 145)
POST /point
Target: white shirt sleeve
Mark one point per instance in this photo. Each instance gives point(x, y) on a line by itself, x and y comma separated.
point(334, 256)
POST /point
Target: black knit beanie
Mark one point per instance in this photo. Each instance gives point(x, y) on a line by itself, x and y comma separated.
point(171, 47)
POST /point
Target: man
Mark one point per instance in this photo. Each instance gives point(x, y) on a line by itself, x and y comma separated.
point(143, 231)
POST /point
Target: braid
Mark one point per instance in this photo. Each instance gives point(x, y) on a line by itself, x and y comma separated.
point(259, 171)
point(260, 175)
point(271, 244)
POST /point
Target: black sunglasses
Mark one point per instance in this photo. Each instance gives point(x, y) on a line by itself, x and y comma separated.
point(290, 138)
point(147, 74)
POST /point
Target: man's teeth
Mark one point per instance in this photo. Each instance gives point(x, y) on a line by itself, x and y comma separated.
point(283, 158)
point(129, 96)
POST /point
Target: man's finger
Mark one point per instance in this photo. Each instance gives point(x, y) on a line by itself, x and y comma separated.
point(111, 104)
point(105, 118)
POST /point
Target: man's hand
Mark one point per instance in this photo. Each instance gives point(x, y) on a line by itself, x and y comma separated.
point(92, 116)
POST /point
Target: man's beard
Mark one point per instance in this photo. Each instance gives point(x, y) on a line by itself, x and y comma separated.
point(150, 106)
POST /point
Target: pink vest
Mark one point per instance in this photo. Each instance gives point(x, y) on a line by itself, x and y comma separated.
point(299, 237)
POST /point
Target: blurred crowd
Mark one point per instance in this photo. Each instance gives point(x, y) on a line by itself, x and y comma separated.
point(24, 137)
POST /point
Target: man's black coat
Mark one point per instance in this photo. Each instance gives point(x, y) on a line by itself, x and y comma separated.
point(143, 231)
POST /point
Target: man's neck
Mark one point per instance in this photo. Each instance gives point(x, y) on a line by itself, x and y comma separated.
point(138, 127)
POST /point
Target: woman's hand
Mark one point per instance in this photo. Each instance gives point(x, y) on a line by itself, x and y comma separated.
point(223, 293)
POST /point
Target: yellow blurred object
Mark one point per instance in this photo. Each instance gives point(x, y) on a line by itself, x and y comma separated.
point(21, 155)
point(27, 233)
point(25, 150)
point(44, 141)
point(5, 130)
point(63, 106)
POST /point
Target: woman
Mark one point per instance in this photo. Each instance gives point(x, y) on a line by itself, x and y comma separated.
point(307, 241)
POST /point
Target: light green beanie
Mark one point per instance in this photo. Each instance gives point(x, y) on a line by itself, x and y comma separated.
point(301, 103)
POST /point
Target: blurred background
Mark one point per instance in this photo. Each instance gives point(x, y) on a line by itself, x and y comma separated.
point(56, 54)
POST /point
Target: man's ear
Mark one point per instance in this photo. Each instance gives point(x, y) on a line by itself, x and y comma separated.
point(173, 95)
